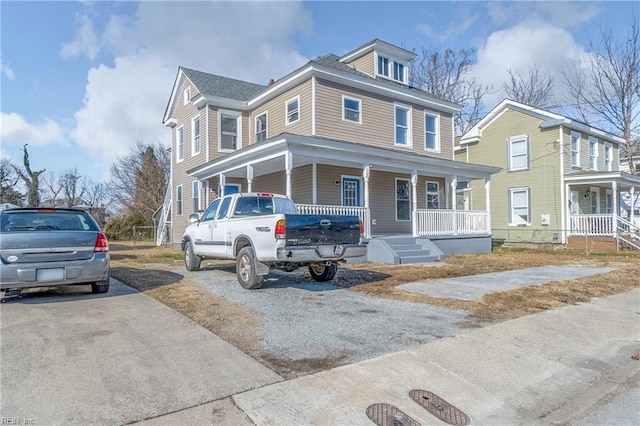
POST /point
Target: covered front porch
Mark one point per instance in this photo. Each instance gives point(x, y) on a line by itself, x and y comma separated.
point(393, 191)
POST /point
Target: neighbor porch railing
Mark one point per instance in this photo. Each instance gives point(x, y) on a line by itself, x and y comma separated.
point(591, 224)
point(441, 222)
point(361, 212)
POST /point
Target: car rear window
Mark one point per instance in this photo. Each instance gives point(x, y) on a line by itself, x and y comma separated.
point(46, 220)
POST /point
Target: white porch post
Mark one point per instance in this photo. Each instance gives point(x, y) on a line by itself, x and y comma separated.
point(632, 216)
point(314, 183)
point(487, 202)
point(447, 185)
point(366, 174)
point(249, 178)
point(288, 166)
point(614, 207)
point(223, 182)
point(414, 202)
point(454, 186)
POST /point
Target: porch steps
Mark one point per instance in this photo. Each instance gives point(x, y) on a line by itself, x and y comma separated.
point(402, 250)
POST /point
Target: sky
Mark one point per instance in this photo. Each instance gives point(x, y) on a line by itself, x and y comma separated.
point(83, 81)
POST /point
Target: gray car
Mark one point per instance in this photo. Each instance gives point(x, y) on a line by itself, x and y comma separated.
point(50, 247)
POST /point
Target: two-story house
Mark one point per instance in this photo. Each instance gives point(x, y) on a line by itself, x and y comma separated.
point(341, 135)
point(560, 180)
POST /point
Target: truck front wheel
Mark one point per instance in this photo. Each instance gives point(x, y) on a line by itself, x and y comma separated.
point(191, 260)
point(246, 269)
point(322, 272)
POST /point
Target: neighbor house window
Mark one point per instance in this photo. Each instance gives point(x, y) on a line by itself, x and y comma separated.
point(608, 202)
point(383, 66)
point(519, 206)
point(431, 124)
point(433, 195)
point(518, 148)
point(196, 196)
point(403, 124)
point(179, 200)
point(261, 127)
point(187, 95)
point(575, 149)
point(293, 110)
point(229, 135)
point(180, 144)
point(403, 199)
point(195, 136)
point(593, 153)
point(608, 157)
point(351, 109)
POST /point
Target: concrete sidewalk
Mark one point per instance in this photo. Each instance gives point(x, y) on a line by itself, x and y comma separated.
point(549, 368)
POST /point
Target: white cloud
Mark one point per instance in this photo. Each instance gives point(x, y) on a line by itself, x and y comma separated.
point(15, 129)
point(85, 42)
point(564, 14)
point(7, 72)
point(124, 103)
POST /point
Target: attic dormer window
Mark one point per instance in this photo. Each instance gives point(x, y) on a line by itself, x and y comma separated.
point(392, 69)
point(187, 95)
point(383, 66)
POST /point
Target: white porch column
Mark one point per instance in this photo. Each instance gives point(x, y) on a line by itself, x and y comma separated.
point(614, 207)
point(249, 178)
point(288, 166)
point(223, 182)
point(414, 203)
point(366, 174)
point(314, 183)
point(447, 185)
point(452, 198)
point(487, 202)
point(632, 216)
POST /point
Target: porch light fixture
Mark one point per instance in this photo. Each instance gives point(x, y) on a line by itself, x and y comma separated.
point(586, 194)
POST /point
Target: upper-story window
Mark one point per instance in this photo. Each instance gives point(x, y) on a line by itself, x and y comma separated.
point(431, 130)
point(398, 71)
point(608, 157)
point(392, 69)
point(180, 144)
point(576, 141)
point(403, 125)
point(261, 127)
point(351, 109)
point(593, 153)
point(187, 95)
point(293, 110)
point(195, 136)
point(229, 131)
point(383, 66)
point(518, 147)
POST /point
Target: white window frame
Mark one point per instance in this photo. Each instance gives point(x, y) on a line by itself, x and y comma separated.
point(608, 157)
point(179, 144)
point(383, 67)
point(510, 141)
point(238, 117)
point(344, 109)
point(593, 153)
point(395, 188)
point(195, 188)
point(287, 114)
point(594, 200)
point(266, 126)
point(576, 149)
point(402, 72)
point(409, 110)
point(195, 137)
point(512, 215)
point(436, 134)
point(179, 200)
point(431, 193)
point(186, 96)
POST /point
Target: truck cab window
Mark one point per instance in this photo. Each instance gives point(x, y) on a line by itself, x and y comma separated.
point(210, 213)
point(224, 207)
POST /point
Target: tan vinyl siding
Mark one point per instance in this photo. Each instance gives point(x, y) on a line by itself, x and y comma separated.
point(377, 120)
point(383, 203)
point(365, 64)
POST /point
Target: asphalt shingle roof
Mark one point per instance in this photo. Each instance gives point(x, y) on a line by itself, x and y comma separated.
point(216, 85)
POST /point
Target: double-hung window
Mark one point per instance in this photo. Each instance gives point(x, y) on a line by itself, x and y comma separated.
point(431, 124)
point(180, 144)
point(383, 66)
point(403, 199)
point(398, 71)
point(593, 153)
point(403, 126)
point(519, 206)
point(351, 109)
point(187, 95)
point(179, 200)
point(576, 142)
point(608, 157)
point(293, 110)
point(229, 131)
point(195, 136)
point(261, 127)
point(196, 196)
point(433, 195)
point(518, 149)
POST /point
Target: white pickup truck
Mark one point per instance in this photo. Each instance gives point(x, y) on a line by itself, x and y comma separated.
point(262, 231)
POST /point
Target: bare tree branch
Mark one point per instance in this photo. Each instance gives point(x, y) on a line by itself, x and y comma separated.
point(534, 88)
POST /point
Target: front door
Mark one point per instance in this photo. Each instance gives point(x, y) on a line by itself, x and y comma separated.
point(595, 200)
point(351, 192)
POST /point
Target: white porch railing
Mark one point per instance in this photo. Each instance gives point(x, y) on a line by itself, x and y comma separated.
point(361, 212)
point(591, 224)
point(438, 222)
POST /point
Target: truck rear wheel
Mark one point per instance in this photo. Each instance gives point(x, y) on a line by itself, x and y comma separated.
point(246, 269)
point(322, 272)
point(191, 260)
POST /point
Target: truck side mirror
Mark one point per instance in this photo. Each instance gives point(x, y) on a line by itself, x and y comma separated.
point(193, 218)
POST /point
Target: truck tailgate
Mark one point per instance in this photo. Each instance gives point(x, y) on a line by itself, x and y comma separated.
point(304, 230)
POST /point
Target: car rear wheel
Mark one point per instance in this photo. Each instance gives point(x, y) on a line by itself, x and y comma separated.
point(322, 272)
point(246, 269)
point(100, 287)
point(191, 260)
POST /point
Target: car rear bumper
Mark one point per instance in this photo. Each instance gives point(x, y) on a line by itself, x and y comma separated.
point(23, 275)
point(320, 253)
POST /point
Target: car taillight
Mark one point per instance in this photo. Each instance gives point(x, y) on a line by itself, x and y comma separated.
point(281, 229)
point(361, 228)
point(102, 245)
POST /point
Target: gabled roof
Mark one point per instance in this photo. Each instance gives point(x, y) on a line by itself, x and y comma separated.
point(382, 47)
point(549, 119)
point(216, 85)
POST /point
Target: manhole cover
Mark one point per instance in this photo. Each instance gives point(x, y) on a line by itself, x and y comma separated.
point(439, 407)
point(388, 415)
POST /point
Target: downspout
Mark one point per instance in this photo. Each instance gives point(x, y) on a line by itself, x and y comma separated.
point(563, 195)
point(207, 126)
